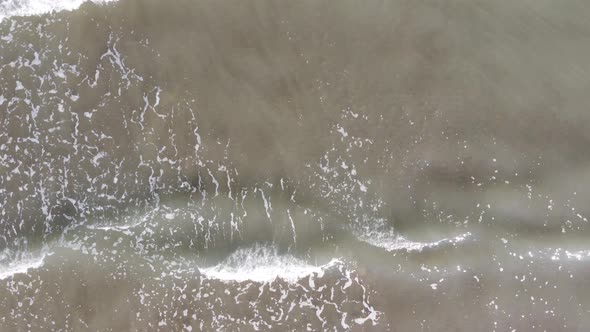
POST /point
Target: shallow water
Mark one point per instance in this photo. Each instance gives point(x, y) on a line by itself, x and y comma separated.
point(269, 165)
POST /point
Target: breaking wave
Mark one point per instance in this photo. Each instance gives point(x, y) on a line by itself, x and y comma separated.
point(263, 264)
point(10, 8)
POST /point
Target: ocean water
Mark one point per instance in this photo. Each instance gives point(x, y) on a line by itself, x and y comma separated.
point(196, 165)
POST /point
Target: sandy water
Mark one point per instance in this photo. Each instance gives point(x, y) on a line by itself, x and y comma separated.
point(273, 165)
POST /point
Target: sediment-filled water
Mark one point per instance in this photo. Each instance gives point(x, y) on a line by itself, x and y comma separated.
point(268, 165)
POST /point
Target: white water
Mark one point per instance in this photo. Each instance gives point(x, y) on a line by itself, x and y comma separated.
point(262, 264)
point(10, 267)
point(394, 242)
point(10, 8)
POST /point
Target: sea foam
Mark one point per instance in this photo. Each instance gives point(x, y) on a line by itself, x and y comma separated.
point(10, 8)
point(262, 264)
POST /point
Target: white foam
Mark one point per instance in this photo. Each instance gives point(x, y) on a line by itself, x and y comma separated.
point(120, 228)
point(562, 254)
point(262, 264)
point(22, 264)
point(391, 241)
point(10, 8)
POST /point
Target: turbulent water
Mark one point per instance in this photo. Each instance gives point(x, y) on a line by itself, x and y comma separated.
point(269, 165)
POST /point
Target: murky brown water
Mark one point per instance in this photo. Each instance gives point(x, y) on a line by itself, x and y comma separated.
point(296, 165)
